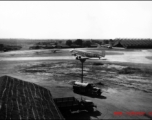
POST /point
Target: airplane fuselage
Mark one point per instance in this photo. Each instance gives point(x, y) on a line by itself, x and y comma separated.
point(79, 53)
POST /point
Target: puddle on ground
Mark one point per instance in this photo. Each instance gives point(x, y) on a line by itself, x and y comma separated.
point(111, 90)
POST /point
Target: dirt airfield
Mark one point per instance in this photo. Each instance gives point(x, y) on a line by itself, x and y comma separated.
point(126, 81)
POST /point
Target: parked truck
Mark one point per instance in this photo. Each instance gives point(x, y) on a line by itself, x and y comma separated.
point(71, 104)
point(86, 88)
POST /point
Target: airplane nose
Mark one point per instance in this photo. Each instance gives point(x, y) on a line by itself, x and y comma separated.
point(71, 50)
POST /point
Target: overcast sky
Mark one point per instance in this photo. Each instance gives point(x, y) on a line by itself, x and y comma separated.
point(75, 19)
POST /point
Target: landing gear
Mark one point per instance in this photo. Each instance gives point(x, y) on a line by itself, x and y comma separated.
point(78, 57)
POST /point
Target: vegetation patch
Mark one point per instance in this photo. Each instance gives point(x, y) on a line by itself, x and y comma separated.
point(129, 70)
point(101, 74)
point(34, 70)
point(98, 63)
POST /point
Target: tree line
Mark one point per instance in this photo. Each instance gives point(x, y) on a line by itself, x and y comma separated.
point(79, 42)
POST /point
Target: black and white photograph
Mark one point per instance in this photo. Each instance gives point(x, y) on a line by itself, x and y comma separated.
point(64, 60)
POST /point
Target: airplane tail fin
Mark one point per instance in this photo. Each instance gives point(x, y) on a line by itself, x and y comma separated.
point(98, 46)
point(110, 45)
point(103, 51)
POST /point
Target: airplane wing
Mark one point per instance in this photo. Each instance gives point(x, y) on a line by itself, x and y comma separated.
point(121, 48)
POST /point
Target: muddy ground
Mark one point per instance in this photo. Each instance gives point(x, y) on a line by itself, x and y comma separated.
point(95, 72)
point(126, 88)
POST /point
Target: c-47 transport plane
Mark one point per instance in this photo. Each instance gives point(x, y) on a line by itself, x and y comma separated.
point(82, 54)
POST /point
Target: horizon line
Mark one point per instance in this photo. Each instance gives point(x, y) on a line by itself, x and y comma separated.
point(67, 38)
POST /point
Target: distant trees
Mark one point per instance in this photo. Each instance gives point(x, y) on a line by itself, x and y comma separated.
point(86, 43)
point(9, 47)
point(1, 47)
point(69, 42)
point(78, 42)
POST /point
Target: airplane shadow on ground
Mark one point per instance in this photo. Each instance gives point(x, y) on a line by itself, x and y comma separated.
point(81, 115)
point(92, 96)
point(100, 97)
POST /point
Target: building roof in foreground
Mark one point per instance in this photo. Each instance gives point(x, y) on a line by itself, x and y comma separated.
point(25, 100)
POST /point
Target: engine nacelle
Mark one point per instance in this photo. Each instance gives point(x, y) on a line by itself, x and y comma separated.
point(78, 57)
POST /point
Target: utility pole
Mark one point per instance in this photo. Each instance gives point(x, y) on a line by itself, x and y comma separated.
point(82, 60)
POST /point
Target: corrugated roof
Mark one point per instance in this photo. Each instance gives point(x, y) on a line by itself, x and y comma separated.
point(133, 43)
point(82, 84)
point(25, 100)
